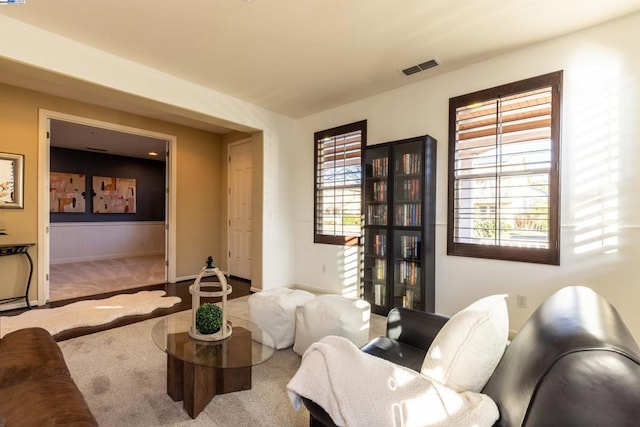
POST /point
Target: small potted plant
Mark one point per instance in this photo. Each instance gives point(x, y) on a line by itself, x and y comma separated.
point(208, 318)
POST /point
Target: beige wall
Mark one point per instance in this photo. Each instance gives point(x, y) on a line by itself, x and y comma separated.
point(19, 135)
point(200, 198)
point(199, 156)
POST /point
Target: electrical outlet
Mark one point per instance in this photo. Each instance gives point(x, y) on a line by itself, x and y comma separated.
point(521, 301)
point(324, 268)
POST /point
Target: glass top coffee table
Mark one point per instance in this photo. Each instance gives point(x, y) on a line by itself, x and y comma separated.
point(198, 370)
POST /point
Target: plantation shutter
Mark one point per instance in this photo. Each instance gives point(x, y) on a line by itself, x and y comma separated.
point(505, 173)
point(338, 181)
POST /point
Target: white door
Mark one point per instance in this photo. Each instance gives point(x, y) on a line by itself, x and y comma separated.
point(239, 235)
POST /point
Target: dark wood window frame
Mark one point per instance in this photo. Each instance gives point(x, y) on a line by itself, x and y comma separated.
point(337, 236)
point(550, 254)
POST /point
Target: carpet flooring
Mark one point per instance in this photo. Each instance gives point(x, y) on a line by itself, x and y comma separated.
point(122, 375)
point(81, 279)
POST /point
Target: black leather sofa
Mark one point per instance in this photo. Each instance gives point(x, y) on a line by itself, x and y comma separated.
point(573, 363)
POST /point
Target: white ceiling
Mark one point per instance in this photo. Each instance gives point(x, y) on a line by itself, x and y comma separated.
point(298, 57)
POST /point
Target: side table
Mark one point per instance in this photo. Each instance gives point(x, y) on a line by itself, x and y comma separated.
point(19, 249)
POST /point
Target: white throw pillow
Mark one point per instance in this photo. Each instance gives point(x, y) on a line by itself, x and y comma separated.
point(469, 346)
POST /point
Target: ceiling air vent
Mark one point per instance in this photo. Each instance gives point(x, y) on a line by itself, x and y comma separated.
point(421, 67)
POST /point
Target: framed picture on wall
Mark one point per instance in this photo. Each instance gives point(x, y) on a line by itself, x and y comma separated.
point(67, 192)
point(11, 180)
point(114, 195)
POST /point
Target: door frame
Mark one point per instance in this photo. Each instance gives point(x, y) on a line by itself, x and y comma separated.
point(45, 117)
point(229, 146)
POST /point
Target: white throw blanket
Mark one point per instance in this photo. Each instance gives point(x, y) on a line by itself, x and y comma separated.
point(358, 389)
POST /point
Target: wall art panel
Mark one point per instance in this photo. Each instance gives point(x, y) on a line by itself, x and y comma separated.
point(67, 192)
point(114, 195)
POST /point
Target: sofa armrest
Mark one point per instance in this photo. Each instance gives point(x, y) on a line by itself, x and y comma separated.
point(28, 354)
point(413, 327)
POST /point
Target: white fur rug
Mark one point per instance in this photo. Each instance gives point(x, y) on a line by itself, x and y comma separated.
point(88, 313)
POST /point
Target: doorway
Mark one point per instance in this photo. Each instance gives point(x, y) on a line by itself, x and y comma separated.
point(240, 176)
point(110, 247)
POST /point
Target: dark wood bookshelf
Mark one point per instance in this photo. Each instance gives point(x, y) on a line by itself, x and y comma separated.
point(399, 224)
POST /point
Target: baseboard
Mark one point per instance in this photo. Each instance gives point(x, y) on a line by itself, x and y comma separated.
point(18, 305)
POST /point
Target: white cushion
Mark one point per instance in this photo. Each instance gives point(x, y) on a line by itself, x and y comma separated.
point(469, 346)
point(274, 311)
point(331, 315)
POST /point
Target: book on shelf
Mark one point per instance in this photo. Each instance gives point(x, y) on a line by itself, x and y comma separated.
point(380, 166)
point(409, 215)
point(409, 273)
point(409, 247)
point(380, 191)
point(380, 269)
point(377, 214)
point(411, 189)
point(380, 245)
point(379, 294)
point(410, 163)
point(407, 299)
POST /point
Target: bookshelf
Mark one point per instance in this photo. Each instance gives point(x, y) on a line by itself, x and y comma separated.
point(399, 224)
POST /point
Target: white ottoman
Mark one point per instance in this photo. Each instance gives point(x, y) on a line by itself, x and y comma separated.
point(274, 311)
point(331, 315)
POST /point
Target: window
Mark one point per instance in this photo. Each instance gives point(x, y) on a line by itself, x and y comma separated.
point(338, 178)
point(504, 172)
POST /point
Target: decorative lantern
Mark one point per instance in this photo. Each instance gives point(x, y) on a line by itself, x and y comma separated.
point(196, 291)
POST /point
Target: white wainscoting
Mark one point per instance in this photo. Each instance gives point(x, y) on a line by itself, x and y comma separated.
point(88, 241)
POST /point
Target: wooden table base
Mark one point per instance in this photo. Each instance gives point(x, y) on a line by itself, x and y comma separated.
point(196, 385)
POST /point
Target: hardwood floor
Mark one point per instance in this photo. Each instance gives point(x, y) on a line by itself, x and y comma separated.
point(240, 288)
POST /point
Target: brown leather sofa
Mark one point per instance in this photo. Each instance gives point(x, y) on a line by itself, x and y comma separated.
point(573, 363)
point(36, 388)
